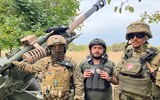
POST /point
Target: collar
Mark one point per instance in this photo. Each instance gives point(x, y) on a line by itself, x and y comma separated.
point(140, 50)
point(103, 59)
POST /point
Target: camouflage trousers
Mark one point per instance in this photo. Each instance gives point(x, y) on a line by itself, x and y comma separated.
point(49, 98)
point(124, 96)
point(66, 96)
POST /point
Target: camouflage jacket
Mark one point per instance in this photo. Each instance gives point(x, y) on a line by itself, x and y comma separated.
point(41, 65)
point(154, 63)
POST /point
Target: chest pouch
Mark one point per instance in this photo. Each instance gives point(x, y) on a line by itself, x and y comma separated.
point(95, 82)
point(57, 81)
point(132, 67)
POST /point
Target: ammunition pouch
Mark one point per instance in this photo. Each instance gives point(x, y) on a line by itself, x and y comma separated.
point(132, 67)
point(128, 54)
point(56, 93)
point(135, 74)
point(158, 78)
point(149, 54)
point(72, 93)
point(134, 71)
point(139, 86)
point(56, 82)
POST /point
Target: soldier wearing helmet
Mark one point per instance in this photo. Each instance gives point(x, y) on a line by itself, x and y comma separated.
point(139, 71)
point(97, 70)
point(57, 46)
point(61, 76)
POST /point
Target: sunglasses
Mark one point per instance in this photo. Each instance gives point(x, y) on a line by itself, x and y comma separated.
point(138, 35)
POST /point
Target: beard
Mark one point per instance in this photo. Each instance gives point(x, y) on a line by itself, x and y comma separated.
point(57, 56)
point(96, 57)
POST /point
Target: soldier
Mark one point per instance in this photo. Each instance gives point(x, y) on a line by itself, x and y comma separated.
point(97, 71)
point(139, 70)
point(60, 73)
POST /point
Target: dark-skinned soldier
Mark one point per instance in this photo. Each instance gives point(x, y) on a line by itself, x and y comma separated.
point(60, 73)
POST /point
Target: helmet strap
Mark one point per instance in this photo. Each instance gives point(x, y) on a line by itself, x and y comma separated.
point(127, 44)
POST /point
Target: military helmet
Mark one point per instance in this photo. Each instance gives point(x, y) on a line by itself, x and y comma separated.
point(56, 39)
point(97, 41)
point(139, 27)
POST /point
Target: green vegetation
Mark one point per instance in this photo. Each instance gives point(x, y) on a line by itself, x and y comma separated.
point(158, 48)
point(19, 18)
point(153, 17)
point(117, 47)
point(73, 47)
point(113, 48)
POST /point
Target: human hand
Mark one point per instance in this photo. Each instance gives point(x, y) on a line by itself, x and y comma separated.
point(16, 63)
point(87, 73)
point(105, 75)
point(77, 98)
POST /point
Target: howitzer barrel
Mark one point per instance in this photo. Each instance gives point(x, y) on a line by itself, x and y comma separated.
point(60, 29)
point(99, 4)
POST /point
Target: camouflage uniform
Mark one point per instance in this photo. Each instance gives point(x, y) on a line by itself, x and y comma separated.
point(97, 88)
point(136, 80)
point(56, 82)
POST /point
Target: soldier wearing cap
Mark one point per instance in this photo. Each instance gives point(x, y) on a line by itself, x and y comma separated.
point(61, 76)
point(139, 71)
point(97, 71)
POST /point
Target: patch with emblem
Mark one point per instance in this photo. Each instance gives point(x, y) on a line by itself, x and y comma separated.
point(129, 66)
point(49, 71)
point(92, 70)
point(98, 70)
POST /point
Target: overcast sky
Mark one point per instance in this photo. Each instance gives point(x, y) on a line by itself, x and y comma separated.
point(111, 26)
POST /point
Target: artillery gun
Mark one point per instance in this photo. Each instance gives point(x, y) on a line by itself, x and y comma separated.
point(16, 84)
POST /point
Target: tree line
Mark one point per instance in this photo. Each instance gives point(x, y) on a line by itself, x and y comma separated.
point(19, 18)
point(112, 48)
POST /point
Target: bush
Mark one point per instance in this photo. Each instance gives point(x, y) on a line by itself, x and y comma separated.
point(117, 47)
point(73, 47)
point(113, 48)
point(158, 48)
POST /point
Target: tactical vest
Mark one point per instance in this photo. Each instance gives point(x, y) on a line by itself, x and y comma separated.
point(56, 82)
point(135, 78)
point(95, 82)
